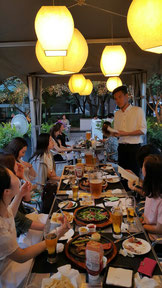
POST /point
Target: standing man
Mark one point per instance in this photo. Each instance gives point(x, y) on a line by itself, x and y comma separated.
point(131, 125)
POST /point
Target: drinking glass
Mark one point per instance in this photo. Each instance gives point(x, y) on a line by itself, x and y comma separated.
point(89, 158)
point(75, 189)
point(95, 180)
point(117, 218)
point(130, 203)
point(79, 170)
point(51, 242)
point(88, 135)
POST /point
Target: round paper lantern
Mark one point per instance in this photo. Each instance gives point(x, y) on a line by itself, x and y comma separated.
point(78, 83)
point(54, 28)
point(144, 22)
point(113, 82)
point(113, 60)
point(70, 86)
point(72, 63)
point(88, 88)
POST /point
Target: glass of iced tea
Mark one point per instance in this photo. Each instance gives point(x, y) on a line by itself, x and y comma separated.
point(75, 189)
point(88, 135)
point(130, 203)
point(51, 242)
point(95, 180)
point(117, 218)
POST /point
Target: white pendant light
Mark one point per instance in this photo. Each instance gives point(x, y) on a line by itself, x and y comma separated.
point(72, 63)
point(113, 60)
point(54, 27)
point(88, 88)
point(113, 82)
point(78, 83)
point(144, 22)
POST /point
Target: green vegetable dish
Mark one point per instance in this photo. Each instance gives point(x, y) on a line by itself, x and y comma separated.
point(95, 214)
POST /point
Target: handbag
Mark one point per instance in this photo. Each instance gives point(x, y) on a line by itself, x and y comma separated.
point(147, 266)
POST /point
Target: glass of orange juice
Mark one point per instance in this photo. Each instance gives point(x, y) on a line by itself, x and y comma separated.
point(51, 242)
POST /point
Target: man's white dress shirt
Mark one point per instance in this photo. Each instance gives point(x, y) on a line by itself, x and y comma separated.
point(130, 120)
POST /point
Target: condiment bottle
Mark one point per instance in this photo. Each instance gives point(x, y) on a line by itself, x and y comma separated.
point(94, 262)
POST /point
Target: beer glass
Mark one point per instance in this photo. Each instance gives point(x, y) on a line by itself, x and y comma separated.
point(75, 189)
point(130, 207)
point(117, 218)
point(88, 135)
point(89, 158)
point(95, 180)
point(51, 242)
point(79, 170)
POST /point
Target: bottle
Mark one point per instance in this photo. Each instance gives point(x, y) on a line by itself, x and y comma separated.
point(94, 259)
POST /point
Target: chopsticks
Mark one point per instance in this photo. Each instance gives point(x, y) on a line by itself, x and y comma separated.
point(126, 237)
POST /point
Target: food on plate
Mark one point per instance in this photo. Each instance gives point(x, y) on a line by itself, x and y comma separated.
point(87, 203)
point(67, 205)
point(64, 282)
point(57, 217)
point(136, 246)
point(91, 227)
point(134, 240)
point(96, 236)
point(92, 214)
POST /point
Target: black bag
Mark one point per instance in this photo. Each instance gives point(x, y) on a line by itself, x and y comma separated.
point(48, 194)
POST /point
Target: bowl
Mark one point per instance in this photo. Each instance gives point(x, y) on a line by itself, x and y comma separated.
point(91, 227)
point(83, 230)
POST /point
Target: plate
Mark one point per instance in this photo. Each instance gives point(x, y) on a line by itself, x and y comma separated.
point(134, 248)
point(113, 180)
point(78, 249)
point(67, 235)
point(67, 205)
point(92, 214)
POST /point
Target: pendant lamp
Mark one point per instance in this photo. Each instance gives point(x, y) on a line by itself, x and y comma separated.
point(78, 83)
point(54, 28)
point(113, 60)
point(113, 82)
point(72, 63)
point(88, 88)
point(144, 22)
point(70, 86)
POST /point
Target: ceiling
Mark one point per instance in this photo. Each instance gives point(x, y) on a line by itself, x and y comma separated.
point(17, 38)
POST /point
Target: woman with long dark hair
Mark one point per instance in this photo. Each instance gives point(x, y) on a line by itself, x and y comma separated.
point(18, 147)
point(42, 159)
point(13, 268)
point(152, 186)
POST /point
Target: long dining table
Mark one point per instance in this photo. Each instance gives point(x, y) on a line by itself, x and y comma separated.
point(42, 269)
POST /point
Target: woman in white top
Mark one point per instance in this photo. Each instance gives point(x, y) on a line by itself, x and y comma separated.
point(42, 159)
point(13, 268)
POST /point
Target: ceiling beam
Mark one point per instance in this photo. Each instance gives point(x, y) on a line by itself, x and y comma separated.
point(89, 41)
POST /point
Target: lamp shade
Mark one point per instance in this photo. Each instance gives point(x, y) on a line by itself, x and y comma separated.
point(113, 82)
point(70, 86)
point(113, 60)
point(54, 28)
point(88, 88)
point(144, 22)
point(72, 63)
point(78, 83)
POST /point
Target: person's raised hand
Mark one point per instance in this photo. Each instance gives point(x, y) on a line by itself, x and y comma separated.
point(65, 226)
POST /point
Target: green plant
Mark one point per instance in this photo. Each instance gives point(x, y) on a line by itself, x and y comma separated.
point(7, 133)
point(45, 127)
point(154, 132)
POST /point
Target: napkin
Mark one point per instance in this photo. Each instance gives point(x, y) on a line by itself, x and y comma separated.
point(124, 253)
point(145, 282)
point(119, 277)
point(117, 191)
point(70, 273)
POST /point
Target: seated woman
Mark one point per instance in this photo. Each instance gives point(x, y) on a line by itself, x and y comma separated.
point(61, 137)
point(55, 132)
point(18, 147)
point(28, 226)
point(111, 142)
point(152, 186)
point(42, 160)
point(14, 261)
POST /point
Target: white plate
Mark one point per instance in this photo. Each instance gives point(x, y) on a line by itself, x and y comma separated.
point(62, 204)
point(67, 235)
point(139, 249)
point(113, 180)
